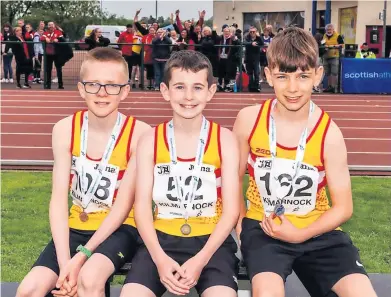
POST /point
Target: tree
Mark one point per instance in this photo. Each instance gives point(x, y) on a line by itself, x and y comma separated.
point(209, 22)
point(71, 16)
point(16, 9)
point(160, 20)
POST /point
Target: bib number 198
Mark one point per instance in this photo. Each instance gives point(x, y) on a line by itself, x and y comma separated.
point(102, 191)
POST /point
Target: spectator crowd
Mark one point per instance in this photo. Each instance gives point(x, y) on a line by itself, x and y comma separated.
point(221, 46)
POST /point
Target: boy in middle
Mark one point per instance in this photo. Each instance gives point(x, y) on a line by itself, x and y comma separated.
point(189, 168)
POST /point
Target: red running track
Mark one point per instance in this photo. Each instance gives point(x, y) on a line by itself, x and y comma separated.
point(28, 116)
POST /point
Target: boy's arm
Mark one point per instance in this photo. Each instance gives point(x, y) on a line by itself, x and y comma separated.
point(230, 196)
point(144, 218)
point(118, 213)
point(338, 180)
point(58, 208)
point(230, 192)
point(242, 129)
point(125, 197)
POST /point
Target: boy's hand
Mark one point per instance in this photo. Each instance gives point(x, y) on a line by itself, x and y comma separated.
point(70, 272)
point(167, 268)
point(193, 268)
point(286, 231)
point(62, 292)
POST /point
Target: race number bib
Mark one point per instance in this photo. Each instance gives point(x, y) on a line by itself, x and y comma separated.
point(103, 196)
point(277, 186)
point(165, 193)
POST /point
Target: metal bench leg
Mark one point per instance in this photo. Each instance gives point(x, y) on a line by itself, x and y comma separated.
point(107, 286)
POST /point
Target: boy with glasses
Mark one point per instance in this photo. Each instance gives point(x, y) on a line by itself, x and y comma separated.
point(94, 157)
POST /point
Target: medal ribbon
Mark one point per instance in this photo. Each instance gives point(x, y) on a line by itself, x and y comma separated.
point(103, 163)
point(197, 167)
point(302, 142)
point(300, 148)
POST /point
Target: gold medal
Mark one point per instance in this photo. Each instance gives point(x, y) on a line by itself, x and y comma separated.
point(83, 216)
point(186, 229)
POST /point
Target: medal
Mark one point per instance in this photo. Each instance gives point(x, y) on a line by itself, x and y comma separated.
point(90, 188)
point(279, 209)
point(186, 229)
point(188, 198)
point(83, 216)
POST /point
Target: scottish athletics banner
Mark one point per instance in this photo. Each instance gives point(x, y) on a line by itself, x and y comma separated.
point(366, 76)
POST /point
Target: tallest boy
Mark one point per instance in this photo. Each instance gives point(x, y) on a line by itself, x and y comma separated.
point(293, 149)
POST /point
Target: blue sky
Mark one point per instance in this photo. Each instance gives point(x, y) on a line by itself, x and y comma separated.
point(188, 8)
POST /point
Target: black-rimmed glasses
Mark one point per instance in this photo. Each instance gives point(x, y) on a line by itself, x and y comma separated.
point(94, 87)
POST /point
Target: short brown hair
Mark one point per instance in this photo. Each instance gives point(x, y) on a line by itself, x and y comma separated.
point(188, 60)
point(104, 54)
point(292, 49)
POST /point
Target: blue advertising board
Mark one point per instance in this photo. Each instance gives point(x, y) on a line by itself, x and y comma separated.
point(366, 76)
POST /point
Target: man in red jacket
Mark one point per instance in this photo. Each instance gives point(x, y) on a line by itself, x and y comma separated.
point(51, 37)
point(127, 37)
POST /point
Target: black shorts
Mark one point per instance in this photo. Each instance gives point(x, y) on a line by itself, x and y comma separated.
point(221, 270)
point(150, 71)
point(136, 59)
point(319, 262)
point(119, 247)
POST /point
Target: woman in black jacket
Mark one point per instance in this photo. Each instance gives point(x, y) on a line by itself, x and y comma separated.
point(23, 58)
point(208, 48)
point(6, 52)
point(96, 39)
point(160, 53)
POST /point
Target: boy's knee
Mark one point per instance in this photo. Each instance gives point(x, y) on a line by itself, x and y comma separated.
point(90, 280)
point(27, 289)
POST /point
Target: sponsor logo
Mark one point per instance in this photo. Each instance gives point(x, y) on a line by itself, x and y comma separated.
point(368, 75)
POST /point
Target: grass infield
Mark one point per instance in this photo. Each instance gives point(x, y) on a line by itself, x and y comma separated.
point(25, 222)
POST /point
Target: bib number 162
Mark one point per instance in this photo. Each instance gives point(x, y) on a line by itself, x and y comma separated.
point(301, 184)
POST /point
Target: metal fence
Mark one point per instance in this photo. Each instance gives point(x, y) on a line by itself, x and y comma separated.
point(71, 69)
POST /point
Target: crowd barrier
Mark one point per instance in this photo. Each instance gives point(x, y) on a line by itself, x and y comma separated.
point(71, 68)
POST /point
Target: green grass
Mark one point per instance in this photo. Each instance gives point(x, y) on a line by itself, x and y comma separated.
point(25, 223)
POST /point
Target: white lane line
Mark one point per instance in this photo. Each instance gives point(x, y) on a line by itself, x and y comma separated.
point(216, 97)
point(45, 134)
point(24, 133)
point(165, 116)
point(229, 126)
point(219, 109)
point(49, 148)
